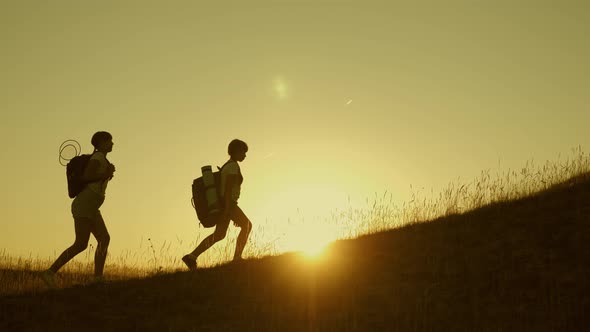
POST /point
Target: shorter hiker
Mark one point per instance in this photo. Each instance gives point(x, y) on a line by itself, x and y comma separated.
point(230, 187)
point(85, 210)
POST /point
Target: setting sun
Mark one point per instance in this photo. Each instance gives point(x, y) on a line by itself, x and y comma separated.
point(310, 238)
point(315, 250)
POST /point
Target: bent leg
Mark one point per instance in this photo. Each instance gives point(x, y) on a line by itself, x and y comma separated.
point(82, 229)
point(218, 235)
point(100, 232)
point(241, 220)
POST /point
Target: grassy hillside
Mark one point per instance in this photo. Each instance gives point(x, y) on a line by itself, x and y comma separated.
point(519, 265)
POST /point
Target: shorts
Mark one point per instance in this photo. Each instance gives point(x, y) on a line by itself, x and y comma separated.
point(87, 204)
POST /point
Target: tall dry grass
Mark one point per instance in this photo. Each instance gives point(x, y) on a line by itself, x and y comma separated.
point(18, 274)
point(382, 213)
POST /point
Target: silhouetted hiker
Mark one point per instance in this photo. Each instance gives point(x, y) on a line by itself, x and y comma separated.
point(85, 209)
point(231, 181)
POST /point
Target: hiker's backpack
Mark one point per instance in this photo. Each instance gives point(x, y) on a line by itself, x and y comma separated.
point(74, 172)
point(207, 214)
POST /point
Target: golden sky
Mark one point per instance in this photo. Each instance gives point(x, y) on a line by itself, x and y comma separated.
point(337, 100)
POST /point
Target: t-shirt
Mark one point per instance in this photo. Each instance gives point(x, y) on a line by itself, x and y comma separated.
point(231, 168)
point(99, 187)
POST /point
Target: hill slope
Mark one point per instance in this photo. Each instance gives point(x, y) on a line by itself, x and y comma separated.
point(512, 266)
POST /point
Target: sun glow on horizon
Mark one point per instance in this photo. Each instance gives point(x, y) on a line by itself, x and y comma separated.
point(311, 240)
point(315, 250)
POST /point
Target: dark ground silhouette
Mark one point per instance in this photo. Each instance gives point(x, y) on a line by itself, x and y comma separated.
point(522, 265)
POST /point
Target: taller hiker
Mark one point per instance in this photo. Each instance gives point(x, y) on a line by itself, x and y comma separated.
point(230, 187)
point(85, 210)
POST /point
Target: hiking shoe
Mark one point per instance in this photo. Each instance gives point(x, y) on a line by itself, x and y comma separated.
point(48, 277)
point(190, 261)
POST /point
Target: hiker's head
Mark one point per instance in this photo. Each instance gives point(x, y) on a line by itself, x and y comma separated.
point(237, 149)
point(102, 141)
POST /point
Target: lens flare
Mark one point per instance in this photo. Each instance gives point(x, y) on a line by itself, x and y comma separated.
point(280, 88)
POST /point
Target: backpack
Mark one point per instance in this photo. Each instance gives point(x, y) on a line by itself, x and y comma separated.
point(74, 172)
point(199, 199)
